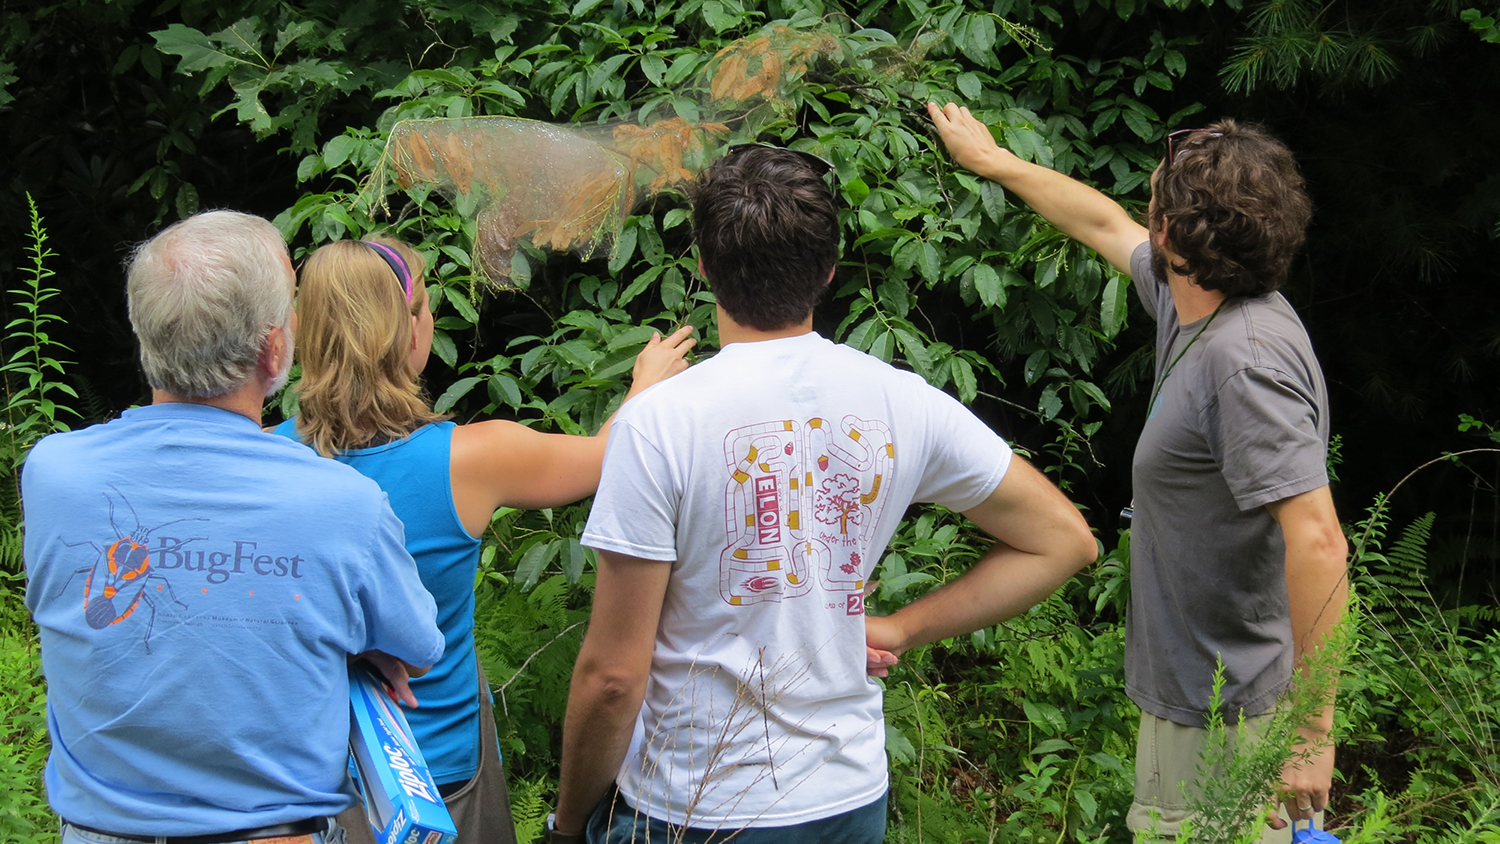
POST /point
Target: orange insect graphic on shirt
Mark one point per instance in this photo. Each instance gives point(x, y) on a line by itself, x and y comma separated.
point(127, 571)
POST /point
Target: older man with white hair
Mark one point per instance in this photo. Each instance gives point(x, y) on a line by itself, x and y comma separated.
point(200, 584)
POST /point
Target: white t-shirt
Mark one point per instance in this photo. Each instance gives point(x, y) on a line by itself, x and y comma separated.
point(771, 477)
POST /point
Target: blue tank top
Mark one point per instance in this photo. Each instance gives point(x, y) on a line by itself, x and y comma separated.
point(414, 474)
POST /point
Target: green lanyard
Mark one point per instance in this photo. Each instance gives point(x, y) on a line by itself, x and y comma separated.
point(1156, 393)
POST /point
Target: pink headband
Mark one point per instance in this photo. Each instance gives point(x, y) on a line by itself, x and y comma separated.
point(398, 266)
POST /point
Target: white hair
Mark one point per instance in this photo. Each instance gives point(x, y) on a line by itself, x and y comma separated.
point(204, 295)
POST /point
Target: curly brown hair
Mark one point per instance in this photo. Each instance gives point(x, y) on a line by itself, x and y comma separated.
point(767, 232)
point(1234, 206)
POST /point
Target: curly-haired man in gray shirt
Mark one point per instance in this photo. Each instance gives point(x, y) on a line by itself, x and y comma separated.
point(1237, 553)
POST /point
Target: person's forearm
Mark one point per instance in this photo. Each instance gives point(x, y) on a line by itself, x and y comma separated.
point(1317, 586)
point(1318, 591)
point(596, 736)
point(1077, 210)
point(1002, 585)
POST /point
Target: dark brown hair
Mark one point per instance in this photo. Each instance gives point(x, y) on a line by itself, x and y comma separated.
point(768, 234)
point(1235, 207)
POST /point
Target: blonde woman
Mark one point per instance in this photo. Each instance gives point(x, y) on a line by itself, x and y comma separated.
point(363, 339)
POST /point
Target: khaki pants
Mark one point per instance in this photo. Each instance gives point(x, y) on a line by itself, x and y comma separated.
point(1166, 758)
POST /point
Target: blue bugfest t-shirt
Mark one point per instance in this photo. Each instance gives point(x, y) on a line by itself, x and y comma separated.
point(199, 584)
point(414, 472)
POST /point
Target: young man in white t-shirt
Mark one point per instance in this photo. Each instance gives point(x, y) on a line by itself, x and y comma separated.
point(744, 504)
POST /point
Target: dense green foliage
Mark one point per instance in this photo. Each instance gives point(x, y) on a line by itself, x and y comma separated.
point(1017, 733)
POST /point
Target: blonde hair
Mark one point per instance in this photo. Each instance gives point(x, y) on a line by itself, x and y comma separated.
point(354, 338)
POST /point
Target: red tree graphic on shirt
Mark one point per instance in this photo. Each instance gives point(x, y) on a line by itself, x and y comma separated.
point(837, 501)
point(853, 565)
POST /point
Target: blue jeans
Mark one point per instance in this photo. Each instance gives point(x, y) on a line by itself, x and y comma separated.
point(73, 835)
point(615, 822)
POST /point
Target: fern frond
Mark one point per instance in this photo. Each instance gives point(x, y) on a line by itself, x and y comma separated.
point(528, 808)
point(1397, 580)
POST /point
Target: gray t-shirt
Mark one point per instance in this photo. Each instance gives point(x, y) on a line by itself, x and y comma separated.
point(1240, 421)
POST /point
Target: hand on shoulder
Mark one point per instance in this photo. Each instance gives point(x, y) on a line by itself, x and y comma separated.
point(662, 358)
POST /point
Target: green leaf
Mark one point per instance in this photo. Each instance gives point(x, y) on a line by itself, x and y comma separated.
point(505, 390)
point(686, 109)
point(891, 587)
point(1036, 364)
point(1138, 123)
point(860, 336)
point(672, 291)
point(681, 68)
point(583, 7)
point(916, 352)
point(187, 201)
point(1086, 802)
point(193, 47)
point(969, 85)
point(1050, 404)
point(465, 310)
point(654, 68)
point(1113, 307)
point(614, 365)
point(1108, 762)
point(993, 197)
point(1048, 718)
point(1094, 393)
point(1055, 745)
point(1176, 64)
point(987, 282)
point(855, 191)
point(443, 347)
point(289, 36)
point(898, 746)
point(980, 44)
point(577, 557)
point(458, 390)
point(308, 167)
point(623, 251)
point(1046, 273)
point(639, 285)
point(635, 335)
point(963, 379)
point(536, 558)
point(244, 36)
point(337, 150)
point(929, 262)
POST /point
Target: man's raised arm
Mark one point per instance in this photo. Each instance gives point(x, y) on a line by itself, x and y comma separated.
point(1041, 542)
point(1079, 211)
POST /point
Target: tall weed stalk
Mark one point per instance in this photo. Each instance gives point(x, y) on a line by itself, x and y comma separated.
point(32, 377)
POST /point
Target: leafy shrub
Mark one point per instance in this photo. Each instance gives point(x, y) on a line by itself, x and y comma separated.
point(24, 815)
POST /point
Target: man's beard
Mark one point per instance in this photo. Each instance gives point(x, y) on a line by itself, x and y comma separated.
point(1158, 260)
point(286, 368)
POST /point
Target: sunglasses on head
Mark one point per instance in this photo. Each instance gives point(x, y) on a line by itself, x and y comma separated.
point(1172, 141)
point(819, 164)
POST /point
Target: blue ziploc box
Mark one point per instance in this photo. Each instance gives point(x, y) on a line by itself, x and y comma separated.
point(401, 800)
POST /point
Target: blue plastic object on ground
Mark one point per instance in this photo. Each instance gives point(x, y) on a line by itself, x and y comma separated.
point(1312, 835)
